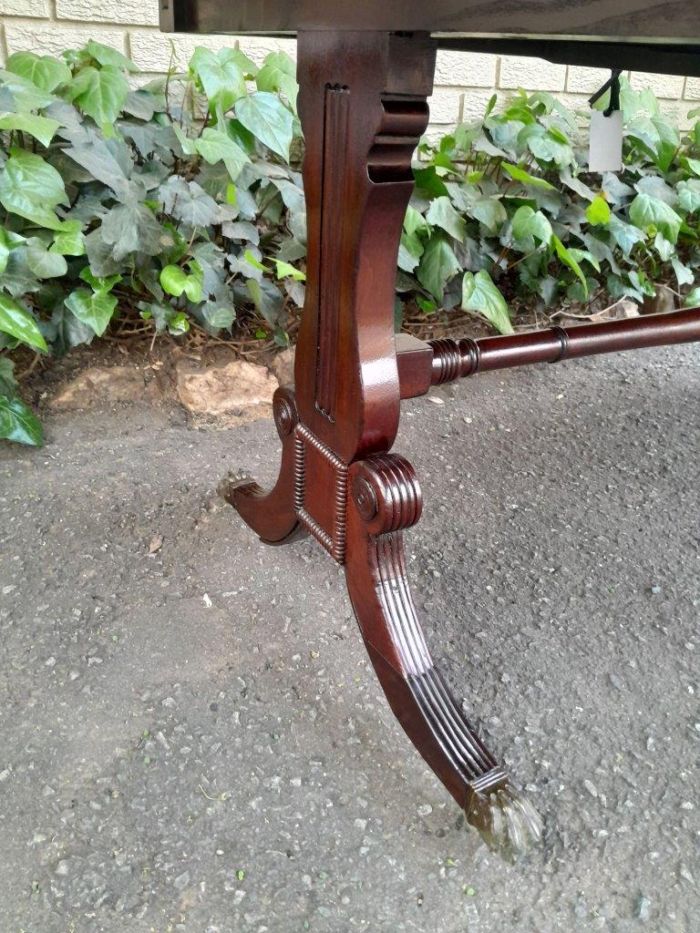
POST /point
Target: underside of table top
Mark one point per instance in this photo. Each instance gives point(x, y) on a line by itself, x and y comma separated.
point(644, 20)
point(642, 35)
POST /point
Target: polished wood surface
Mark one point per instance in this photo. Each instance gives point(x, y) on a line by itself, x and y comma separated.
point(628, 19)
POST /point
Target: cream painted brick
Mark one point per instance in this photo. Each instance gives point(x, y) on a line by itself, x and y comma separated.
point(534, 74)
point(669, 87)
point(581, 80)
point(445, 105)
point(692, 89)
point(27, 8)
point(474, 104)
point(465, 69)
point(50, 40)
point(151, 51)
point(128, 12)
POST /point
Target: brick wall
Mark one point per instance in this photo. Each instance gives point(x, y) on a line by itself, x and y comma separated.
point(464, 81)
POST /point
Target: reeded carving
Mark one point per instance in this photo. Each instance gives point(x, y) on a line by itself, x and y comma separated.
point(386, 492)
point(335, 144)
point(384, 500)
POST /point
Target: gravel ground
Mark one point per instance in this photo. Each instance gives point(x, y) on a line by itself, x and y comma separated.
point(192, 738)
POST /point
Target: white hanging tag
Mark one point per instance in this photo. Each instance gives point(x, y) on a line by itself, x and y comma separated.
point(605, 152)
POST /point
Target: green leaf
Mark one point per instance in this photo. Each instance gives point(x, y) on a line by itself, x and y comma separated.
point(278, 73)
point(18, 423)
point(25, 95)
point(569, 260)
point(414, 222)
point(8, 383)
point(30, 187)
point(267, 299)
point(178, 324)
point(519, 174)
point(268, 120)
point(652, 214)
point(285, 270)
point(481, 295)
point(5, 247)
point(175, 281)
point(18, 322)
point(221, 76)
point(490, 212)
point(216, 146)
point(69, 241)
point(530, 223)
point(92, 308)
point(598, 211)
point(44, 264)
point(45, 71)
point(410, 251)
point(442, 214)
point(100, 93)
point(684, 275)
point(41, 128)
point(107, 56)
point(437, 266)
point(689, 195)
point(692, 299)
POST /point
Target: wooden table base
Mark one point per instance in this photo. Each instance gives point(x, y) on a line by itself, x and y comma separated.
point(363, 107)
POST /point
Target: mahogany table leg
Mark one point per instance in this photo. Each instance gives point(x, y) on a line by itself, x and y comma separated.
point(363, 106)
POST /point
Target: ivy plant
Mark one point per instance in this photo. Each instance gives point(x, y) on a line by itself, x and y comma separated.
point(181, 201)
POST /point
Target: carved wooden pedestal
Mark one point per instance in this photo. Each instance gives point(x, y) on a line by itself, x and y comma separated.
point(363, 107)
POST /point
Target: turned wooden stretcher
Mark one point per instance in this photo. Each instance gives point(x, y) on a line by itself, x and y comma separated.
point(365, 71)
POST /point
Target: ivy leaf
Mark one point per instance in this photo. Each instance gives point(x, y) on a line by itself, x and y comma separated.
point(92, 308)
point(519, 174)
point(41, 128)
point(481, 295)
point(69, 241)
point(189, 202)
point(410, 251)
point(107, 56)
point(131, 228)
point(30, 187)
point(285, 270)
point(221, 76)
point(625, 235)
point(268, 120)
point(266, 298)
point(25, 94)
point(598, 211)
point(442, 214)
point(45, 71)
point(530, 223)
point(8, 383)
point(176, 281)
point(652, 214)
point(216, 146)
point(490, 212)
point(44, 264)
point(100, 93)
point(684, 275)
point(569, 260)
point(692, 299)
point(437, 266)
point(689, 195)
point(278, 73)
point(18, 423)
point(18, 322)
